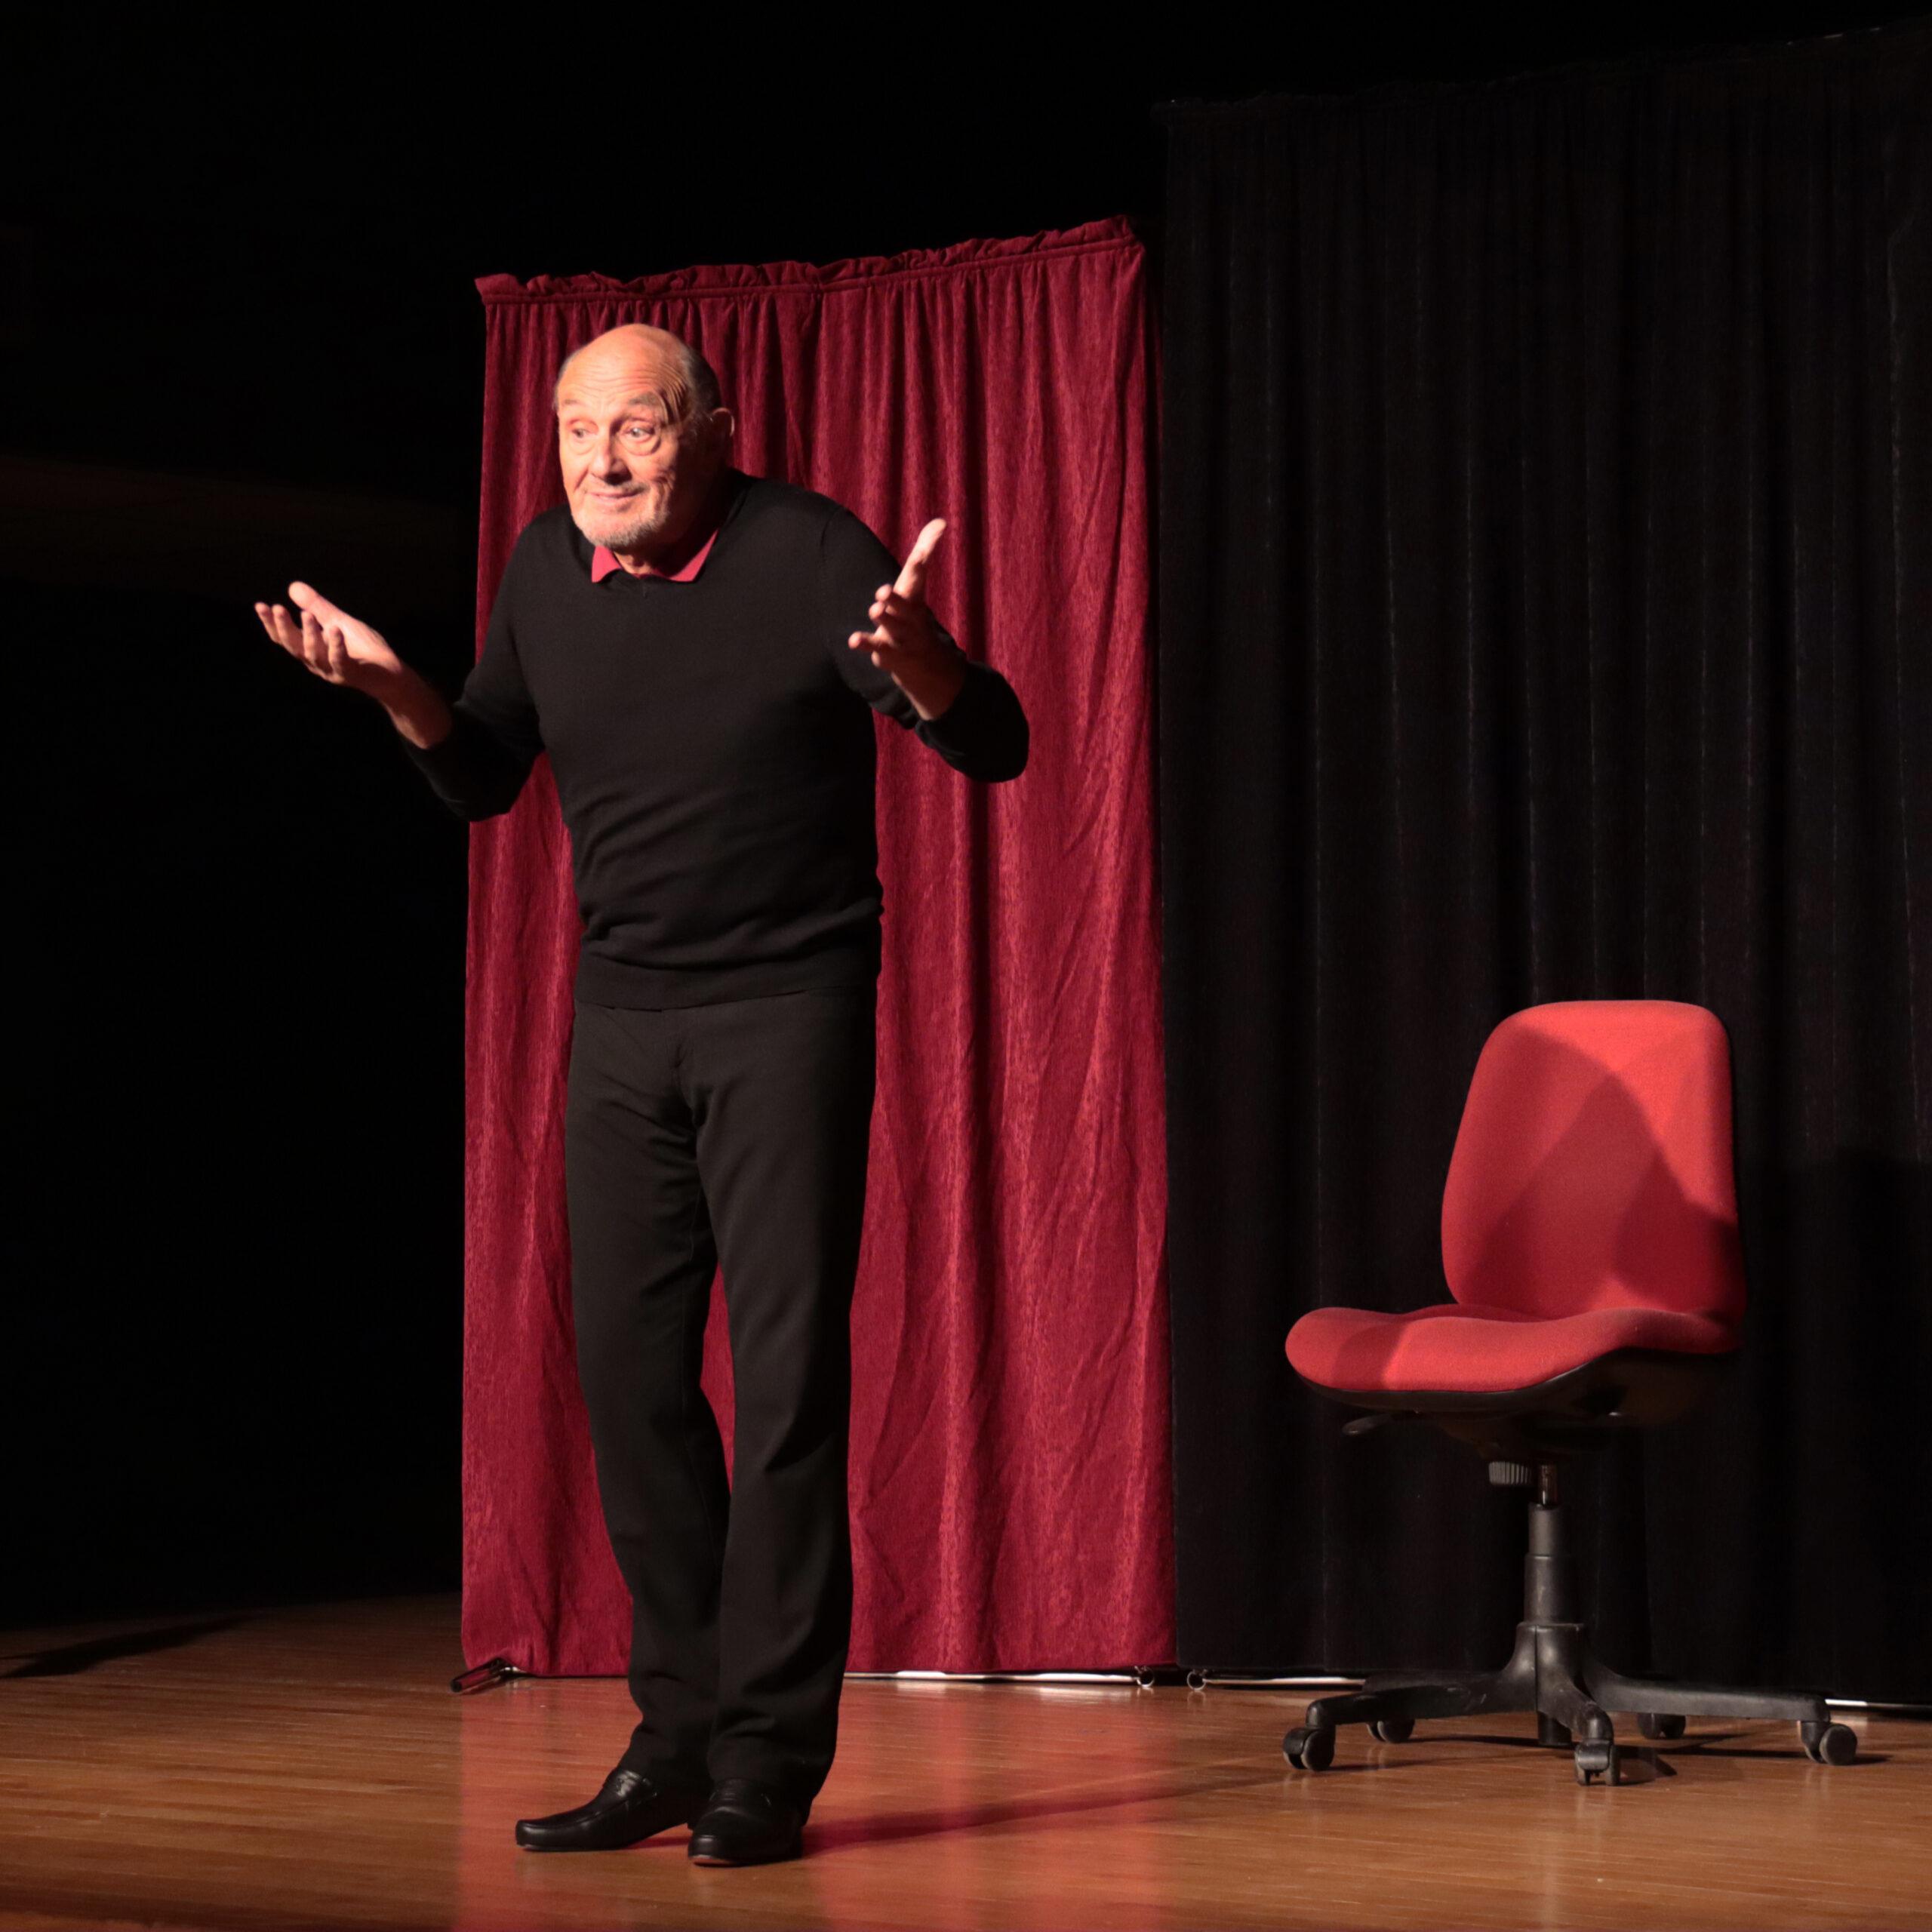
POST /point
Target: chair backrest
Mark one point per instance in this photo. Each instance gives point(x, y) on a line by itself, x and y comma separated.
point(1593, 1166)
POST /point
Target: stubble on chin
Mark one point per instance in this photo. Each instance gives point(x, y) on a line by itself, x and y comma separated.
point(625, 530)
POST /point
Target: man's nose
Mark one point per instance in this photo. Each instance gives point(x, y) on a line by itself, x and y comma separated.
point(609, 459)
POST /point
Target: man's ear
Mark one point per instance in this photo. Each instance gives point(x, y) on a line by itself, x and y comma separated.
point(731, 424)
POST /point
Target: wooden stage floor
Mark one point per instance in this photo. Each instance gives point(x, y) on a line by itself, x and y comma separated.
point(310, 1768)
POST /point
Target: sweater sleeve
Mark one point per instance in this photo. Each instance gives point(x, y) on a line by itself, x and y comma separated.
point(983, 732)
point(478, 769)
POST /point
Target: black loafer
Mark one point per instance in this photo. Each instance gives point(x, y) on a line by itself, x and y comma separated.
point(745, 1823)
point(628, 1807)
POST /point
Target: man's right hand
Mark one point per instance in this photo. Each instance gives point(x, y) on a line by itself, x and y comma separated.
point(335, 646)
point(344, 650)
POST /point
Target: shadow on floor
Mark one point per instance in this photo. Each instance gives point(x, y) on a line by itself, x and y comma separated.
point(70, 1659)
point(893, 1827)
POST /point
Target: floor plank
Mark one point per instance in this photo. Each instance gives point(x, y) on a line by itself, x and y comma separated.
point(310, 1767)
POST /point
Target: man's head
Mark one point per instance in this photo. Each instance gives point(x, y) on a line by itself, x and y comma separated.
point(640, 436)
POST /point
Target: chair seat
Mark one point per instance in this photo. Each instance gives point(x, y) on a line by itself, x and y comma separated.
point(1454, 1347)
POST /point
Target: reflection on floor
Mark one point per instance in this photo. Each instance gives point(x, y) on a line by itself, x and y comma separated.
point(310, 1767)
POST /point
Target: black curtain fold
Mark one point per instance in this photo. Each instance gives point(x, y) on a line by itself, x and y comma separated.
point(1546, 613)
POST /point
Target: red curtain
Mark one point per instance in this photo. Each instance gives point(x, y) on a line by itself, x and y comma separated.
point(1010, 1493)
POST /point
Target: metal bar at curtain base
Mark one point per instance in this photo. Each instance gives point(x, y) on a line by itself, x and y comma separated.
point(1144, 1677)
point(483, 1676)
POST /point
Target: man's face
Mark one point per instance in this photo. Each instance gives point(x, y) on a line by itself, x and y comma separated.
point(635, 475)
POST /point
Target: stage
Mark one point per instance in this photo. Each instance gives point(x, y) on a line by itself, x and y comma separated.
point(310, 1767)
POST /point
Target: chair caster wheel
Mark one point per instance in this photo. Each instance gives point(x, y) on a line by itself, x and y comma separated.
point(1597, 1759)
point(1310, 1750)
point(1829, 1743)
point(1393, 1730)
point(1657, 1724)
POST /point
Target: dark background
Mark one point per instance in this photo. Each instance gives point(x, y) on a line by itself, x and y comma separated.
point(241, 344)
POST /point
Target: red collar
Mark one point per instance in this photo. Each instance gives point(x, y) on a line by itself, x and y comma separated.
point(603, 561)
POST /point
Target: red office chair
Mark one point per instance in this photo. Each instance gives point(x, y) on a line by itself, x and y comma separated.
point(1590, 1237)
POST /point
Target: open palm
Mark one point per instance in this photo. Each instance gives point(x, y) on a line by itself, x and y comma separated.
point(335, 646)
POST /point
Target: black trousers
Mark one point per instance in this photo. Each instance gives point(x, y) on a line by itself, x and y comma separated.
point(733, 1134)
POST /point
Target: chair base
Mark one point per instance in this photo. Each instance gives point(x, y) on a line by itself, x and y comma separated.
point(1553, 1671)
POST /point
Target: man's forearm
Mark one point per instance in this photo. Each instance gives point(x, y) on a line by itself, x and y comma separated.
point(418, 710)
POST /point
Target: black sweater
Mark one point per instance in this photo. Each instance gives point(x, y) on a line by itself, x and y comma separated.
point(712, 747)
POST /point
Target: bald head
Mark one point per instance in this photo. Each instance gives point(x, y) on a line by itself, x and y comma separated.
point(666, 365)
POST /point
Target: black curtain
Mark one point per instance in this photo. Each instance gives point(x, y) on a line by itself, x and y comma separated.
point(1546, 612)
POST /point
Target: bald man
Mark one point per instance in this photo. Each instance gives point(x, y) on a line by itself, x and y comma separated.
point(700, 653)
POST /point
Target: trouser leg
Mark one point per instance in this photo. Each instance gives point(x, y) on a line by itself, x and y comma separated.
point(642, 1260)
point(783, 1090)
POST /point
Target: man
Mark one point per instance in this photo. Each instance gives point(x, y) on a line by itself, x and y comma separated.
point(691, 646)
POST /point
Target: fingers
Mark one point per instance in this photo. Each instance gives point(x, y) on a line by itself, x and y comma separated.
point(913, 573)
point(900, 627)
point(323, 647)
point(314, 632)
point(320, 647)
point(316, 638)
point(897, 615)
point(285, 628)
point(306, 597)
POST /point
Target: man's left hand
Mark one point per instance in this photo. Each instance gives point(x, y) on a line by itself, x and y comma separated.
point(906, 642)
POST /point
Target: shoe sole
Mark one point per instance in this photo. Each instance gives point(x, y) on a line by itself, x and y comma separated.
point(610, 1844)
point(763, 1858)
point(614, 1845)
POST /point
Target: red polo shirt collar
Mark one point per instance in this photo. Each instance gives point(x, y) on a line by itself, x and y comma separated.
point(603, 561)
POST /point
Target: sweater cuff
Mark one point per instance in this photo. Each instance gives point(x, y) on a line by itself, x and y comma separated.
point(963, 725)
point(445, 755)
